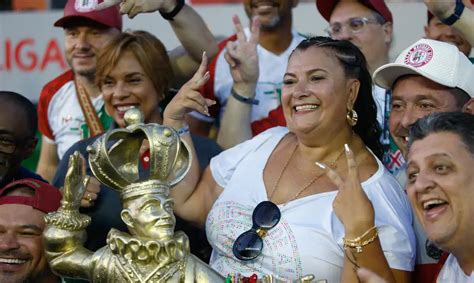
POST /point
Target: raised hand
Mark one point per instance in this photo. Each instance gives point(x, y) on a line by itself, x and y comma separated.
point(189, 98)
point(75, 182)
point(135, 7)
point(351, 205)
point(242, 54)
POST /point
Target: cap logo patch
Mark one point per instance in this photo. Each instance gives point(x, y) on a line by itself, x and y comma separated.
point(419, 55)
point(84, 6)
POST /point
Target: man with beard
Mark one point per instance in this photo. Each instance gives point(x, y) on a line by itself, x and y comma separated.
point(71, 107)
point(23, 205)
point(429, 76)
point(369, 26)
point(17, 136)
point(276, 40)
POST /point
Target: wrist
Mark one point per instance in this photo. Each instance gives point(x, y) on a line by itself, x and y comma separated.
point(245, 89)
point(244, 99)
point(170, 11)
point(175, 123)
point(354, 232)
point(454, 15)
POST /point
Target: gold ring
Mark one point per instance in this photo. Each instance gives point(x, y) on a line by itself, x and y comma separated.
point(88, 197)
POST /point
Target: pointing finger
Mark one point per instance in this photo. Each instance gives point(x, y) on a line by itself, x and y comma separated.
point(106, 4)
point(202, 70)
point(239, 29)
point(255, 31)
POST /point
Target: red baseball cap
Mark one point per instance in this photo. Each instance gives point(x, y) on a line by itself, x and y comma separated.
point(46, 198)
point(109, 17)
point(325, 8)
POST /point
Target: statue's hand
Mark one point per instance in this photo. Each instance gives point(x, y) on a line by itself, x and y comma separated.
point(75, 183)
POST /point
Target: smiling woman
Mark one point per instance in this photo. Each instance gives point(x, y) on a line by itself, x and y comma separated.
point(268, 209)
point(133, 71)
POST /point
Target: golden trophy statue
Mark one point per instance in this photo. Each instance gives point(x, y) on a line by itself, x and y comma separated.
point(152, 252)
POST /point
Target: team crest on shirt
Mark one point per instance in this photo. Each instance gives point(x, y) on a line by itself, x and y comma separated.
point(419, 55)
point(85, 6)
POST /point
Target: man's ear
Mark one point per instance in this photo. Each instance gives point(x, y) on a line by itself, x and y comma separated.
point(353, 93)
point(388, 32)
point(126, 217)
point(469, 107)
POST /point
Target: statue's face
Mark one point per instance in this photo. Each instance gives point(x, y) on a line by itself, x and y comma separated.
point(151, 217)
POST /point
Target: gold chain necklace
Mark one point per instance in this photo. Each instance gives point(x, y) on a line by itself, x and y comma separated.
point(332, 166)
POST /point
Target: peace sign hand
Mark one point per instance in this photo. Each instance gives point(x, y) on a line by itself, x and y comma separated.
point(189, 98)
point(351, 205)
point(242, 54)
point(135, 7)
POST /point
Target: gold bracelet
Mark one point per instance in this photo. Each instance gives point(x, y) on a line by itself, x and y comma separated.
point(357, 243)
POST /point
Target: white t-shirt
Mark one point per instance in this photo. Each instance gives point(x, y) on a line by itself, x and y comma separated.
point(308, 238)
point(452, 272)
point(60, 116)
point(272, 67)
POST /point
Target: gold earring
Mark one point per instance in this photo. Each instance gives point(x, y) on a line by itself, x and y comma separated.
point(352, 117)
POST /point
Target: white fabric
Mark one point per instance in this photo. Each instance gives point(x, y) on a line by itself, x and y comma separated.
point(437, 61)
point(452, 272)
point(65, 117)
point(378, 94)
point(270, 80)
point(308, 238)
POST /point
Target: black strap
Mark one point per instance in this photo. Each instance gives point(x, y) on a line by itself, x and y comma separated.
point(170, 15)
point(456, 15)
point(246, 100)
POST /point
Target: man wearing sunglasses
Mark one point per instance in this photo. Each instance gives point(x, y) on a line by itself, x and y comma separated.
point(17, 136)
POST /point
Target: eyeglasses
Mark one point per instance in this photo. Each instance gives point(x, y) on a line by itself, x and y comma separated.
point(249, 244)
point(354, 25)
point(8, 145)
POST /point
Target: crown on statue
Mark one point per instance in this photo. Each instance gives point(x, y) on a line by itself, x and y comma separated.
point(115, 157)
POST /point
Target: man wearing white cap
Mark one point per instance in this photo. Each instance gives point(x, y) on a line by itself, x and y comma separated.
point(429, 76)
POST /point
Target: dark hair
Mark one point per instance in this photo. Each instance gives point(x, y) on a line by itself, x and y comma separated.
point(355, 66)
point(25, 105)
point(460, 96)
point(459, 123)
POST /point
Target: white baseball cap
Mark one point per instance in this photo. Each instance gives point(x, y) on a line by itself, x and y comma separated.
point(437, 61)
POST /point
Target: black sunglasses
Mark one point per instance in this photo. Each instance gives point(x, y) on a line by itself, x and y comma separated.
point(249, 244)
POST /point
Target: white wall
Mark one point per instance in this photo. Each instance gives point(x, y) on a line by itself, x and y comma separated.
point(31, 48)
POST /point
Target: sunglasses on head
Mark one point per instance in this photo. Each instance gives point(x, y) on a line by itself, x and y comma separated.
point(249, 244)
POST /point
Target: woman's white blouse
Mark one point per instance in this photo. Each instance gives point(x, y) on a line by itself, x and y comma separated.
point(308, 238)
